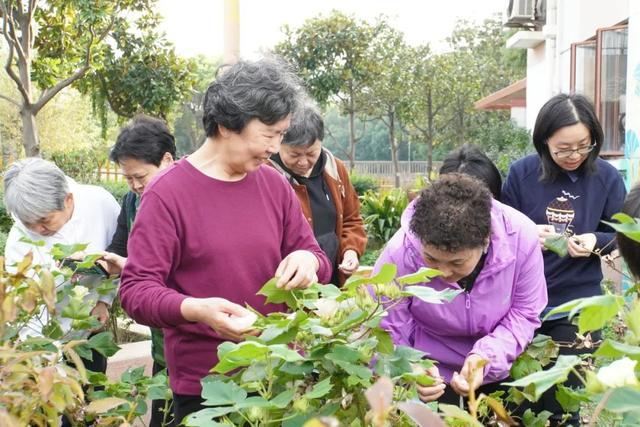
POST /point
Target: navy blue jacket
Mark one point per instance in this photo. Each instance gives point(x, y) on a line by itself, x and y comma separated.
point(576, 203)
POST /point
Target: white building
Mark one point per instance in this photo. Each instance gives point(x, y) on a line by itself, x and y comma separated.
point(590, 47)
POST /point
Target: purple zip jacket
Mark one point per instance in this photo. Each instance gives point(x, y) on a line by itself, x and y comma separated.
point(496, 320)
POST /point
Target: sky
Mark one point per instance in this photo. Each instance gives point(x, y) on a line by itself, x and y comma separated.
point(196, 26)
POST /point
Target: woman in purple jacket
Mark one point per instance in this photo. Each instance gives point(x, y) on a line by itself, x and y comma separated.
point(491, 253)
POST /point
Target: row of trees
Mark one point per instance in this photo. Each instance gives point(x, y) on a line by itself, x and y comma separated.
point(369, 73)
point(83, 68)
point(108, 50)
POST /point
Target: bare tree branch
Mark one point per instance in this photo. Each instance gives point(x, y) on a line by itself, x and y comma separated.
point(330, 134)
point(12, 101)
point(14, 36)
point(11, 45)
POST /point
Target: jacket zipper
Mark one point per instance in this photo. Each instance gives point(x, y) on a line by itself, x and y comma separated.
point(467, 303)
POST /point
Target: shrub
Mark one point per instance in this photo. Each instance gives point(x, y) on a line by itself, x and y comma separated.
point(117, 188)
point(43, 377)
point(363, 183)
point(382, 212)
point(81, 165)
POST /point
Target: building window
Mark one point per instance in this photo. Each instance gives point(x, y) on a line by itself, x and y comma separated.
point(599, 72)
point(583, 69)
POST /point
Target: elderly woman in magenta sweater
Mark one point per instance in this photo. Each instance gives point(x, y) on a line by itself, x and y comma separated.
point(490, 253)
point(218, 224)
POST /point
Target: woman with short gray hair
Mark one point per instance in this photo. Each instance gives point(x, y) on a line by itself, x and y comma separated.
point(217, 225)
point(321, 181)
point(37, 193)
point(48, 206)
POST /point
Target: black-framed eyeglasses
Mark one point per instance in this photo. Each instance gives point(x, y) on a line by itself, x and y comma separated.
point(563, 154)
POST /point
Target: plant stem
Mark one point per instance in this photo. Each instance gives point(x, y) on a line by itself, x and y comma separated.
point(599, 408)
point(580, 377)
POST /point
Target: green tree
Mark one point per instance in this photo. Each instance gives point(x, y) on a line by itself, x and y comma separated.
point(188, 128)
point(113, 42)
point(387, 98)
point(333, 56)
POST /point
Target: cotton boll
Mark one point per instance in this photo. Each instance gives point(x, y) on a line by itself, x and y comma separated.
point(619, 373)
point(245, 322)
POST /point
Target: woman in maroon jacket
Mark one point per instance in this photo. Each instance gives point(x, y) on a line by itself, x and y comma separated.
point(217, 225)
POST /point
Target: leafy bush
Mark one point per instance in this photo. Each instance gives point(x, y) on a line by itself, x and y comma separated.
point(382, 212)
point(117, 188)
point(317, 360)
point(81, 165)
point(363, 183)
point(43, 377)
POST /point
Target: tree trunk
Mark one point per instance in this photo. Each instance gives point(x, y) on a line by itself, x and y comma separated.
point(430, 133)
point(394, 146)
point(352, 132)
point(27, 113)
point(29, 133)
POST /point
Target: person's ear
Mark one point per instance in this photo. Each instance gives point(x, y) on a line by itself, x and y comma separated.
point(167, 160)
point(485, 249)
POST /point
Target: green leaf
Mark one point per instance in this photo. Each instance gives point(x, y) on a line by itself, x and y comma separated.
point(297, 369)
point(524, 365)
point(531, 419)
point(453, 411)
point(623, 399)
point(320, 389)
point(627, 226)
point(569, 399)
point(88, 261)
point(421, 276)
point(204, 417)
point(277, 295)
point(539, 382)
point(38, 243)
point(359, 371)
point(616, 350)
point(430, 295)
point(133, 375)
point(344, 354)
point(386, 274)
point(76, 309)
point(594, 311)
point(283, 352)
point(283, 399)
point(104, 344)
point(53, 330)
point(557, 245)
point(60, 251)
point(327, 291)
point(232, 356)
point(217, 393)
point(385, 343)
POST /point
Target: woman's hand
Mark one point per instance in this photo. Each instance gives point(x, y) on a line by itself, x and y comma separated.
point(223, 316)
point(545, 231)
point(297, 270)
point(432, 392)
point(113, 263)
point(350, 262)
point(101, 311)
point(470, 367)
point(581, 245)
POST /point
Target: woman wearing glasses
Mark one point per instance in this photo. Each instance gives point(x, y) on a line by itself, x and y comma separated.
point(567, 189)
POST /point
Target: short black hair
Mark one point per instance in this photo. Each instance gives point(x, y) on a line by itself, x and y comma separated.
point(471, 160)
point(560, 111)
point(306, 127)
point(146, 139)
point(266, 90)
point(453, 213)
point(630, 249)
